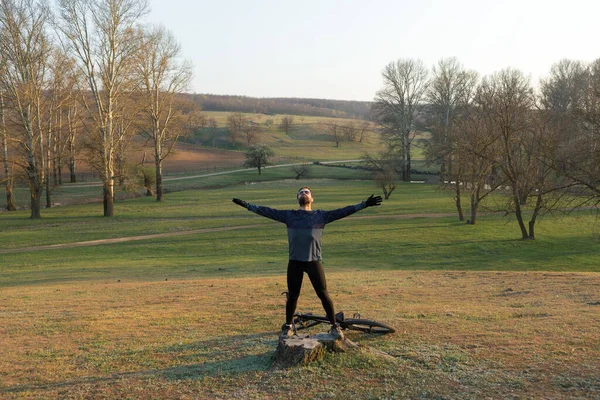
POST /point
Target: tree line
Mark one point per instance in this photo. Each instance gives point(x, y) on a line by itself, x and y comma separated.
point(83, 81)
point(495, 134)
point(289, 106)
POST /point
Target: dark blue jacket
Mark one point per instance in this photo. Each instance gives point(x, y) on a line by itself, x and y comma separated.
point(305, 228)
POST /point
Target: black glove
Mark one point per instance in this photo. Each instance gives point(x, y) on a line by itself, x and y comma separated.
point(241, 203)
point(373, 201)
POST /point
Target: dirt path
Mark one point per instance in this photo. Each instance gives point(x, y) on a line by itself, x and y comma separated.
point(179, 178)
point(125, 239)
point(191, 232)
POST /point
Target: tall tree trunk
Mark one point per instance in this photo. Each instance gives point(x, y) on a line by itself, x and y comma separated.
point(42, 173)
point(108, 160)
point(47, 163)
point(72, 164)
point(408, 162)
point(9, 179)
point(35, 182)
point(57, 153)
point(108, 199)
point(36, 204)
point(536, 212)
point(518, 212)
point(11, 204)
point(403, 155)
point(523, 198)
point(461, 216)
point(474, 208)
point(34, 171)
point(159, 178)
point(108, 190)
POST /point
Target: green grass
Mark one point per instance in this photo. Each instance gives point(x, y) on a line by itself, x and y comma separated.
point(415, 229)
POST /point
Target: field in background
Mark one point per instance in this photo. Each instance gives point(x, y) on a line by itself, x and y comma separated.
point(308, 141)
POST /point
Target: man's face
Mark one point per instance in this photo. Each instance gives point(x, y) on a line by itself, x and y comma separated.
point(304, 196)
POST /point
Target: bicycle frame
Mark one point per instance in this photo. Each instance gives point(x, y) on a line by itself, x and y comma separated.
point(303, 321)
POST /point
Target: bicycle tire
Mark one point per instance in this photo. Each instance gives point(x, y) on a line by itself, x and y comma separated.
point(368, 326)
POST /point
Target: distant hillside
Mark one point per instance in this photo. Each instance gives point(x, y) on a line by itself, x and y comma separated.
point(293, 106)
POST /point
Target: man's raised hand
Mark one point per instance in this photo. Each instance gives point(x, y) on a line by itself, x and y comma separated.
point(241, 203)
point(373, 201)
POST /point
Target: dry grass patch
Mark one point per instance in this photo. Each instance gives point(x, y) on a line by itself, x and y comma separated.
point(459, 335)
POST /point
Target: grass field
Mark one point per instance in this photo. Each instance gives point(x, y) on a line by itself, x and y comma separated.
point(478, 313)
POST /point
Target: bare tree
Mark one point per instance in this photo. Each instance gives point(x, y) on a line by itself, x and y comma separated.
point(364, 128)
point(548, 188)
point(583, 162)
point(8, 171)
point(301, 170)
point(236, 122)
point(564, 90)
point(74, 128)
point(350, 131)
point(385, 168)
point(162, 76)
point(58, 97)
point(213, 125)
point(451, 90)
point(336, 132)
point(287, 124)
point(474, 158)
point(25, 45)
point(69, 124)
point(452, 120)
point(250, 130)
point(202, 119)
point(125, 127)
point(397, 106)
point(101, 35)
point(562, 97)
point(508, 100)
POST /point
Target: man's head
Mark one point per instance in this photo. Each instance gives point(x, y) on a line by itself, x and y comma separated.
point(304, 196)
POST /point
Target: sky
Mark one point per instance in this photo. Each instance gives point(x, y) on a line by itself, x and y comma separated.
point(337, 49)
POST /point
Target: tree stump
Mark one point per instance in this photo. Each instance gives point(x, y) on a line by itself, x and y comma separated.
point(302, 350)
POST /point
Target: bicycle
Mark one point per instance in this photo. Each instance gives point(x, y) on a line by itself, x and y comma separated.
point(356, 323)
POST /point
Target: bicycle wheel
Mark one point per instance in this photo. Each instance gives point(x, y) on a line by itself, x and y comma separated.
point(368, 326)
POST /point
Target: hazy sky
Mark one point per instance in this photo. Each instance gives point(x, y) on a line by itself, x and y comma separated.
point(334, 49)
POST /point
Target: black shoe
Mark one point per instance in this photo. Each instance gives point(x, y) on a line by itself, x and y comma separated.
point(287, 331)
point(336, 332)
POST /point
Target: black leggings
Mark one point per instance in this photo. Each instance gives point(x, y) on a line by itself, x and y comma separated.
point(295, 274)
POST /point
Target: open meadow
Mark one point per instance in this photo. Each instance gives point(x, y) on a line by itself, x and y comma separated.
point(183, 299)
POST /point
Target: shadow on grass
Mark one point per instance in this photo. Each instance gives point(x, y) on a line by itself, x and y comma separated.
point(262, 361)
point(235, 365)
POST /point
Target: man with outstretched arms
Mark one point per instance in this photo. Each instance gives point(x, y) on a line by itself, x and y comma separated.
point(305, 228)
